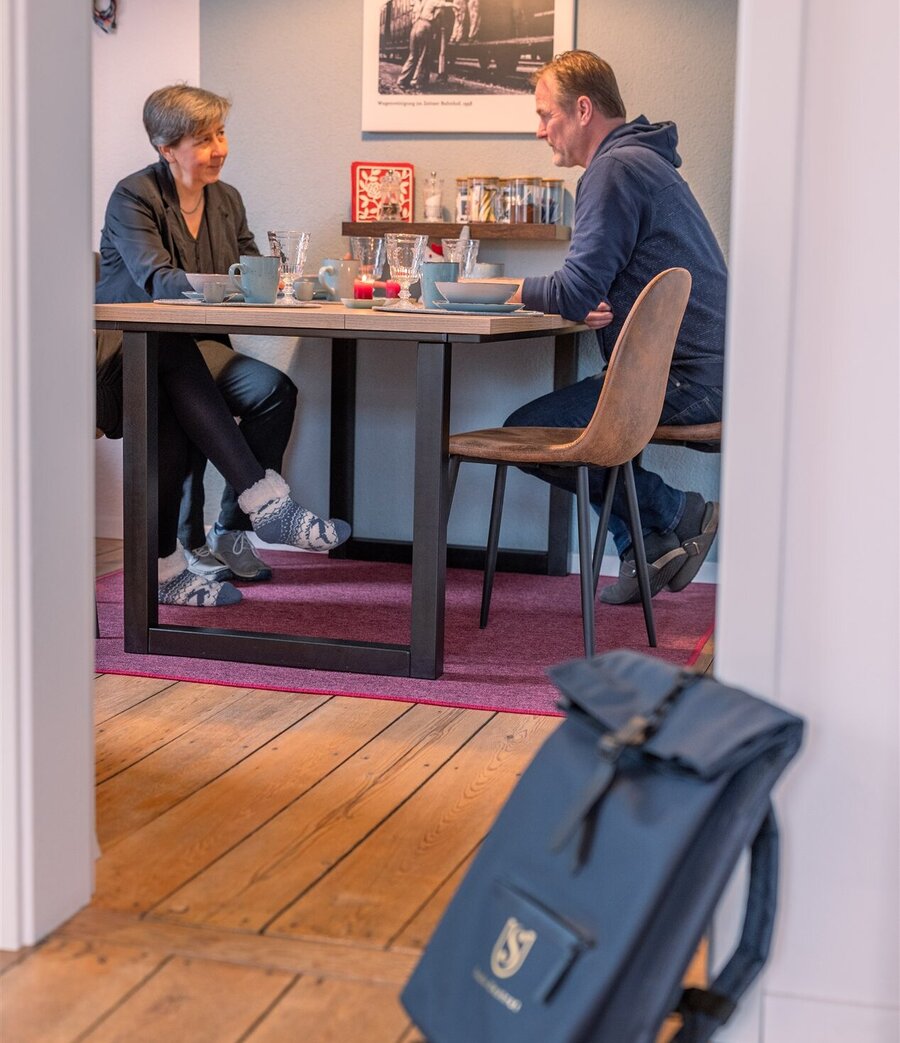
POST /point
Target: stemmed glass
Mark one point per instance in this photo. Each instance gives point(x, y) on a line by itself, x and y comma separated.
point(405, 254)
point(290, 246)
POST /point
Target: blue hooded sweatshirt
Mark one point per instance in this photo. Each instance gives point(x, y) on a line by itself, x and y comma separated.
point(634, 217)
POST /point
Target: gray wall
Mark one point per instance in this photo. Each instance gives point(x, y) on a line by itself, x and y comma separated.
point(293, 71)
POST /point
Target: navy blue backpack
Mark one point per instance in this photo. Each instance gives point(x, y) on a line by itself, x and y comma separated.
point(593, 889)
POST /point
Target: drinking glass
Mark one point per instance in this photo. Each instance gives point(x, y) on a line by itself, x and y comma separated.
point(369, 251)
point(405, 254)
point(463, 251)
point(290, 247)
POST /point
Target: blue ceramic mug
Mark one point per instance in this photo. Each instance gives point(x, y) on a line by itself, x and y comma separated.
point(259, 278)
point(434, 272)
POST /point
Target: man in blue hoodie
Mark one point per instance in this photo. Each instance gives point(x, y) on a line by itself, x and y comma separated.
point(634, 217)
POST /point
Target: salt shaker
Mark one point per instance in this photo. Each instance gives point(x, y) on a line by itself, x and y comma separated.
point(433, 209)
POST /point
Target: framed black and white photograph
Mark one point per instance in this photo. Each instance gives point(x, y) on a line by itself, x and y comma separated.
point(458, 65)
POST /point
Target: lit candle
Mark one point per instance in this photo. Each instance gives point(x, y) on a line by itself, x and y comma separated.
point(363, 289)
point(391, 288)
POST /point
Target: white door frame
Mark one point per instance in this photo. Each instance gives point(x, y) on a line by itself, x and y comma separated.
point(46, 460)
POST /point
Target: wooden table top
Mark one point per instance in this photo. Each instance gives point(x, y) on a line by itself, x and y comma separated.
point(283, 318)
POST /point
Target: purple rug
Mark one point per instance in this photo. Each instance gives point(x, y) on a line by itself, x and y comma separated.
point(535, 623)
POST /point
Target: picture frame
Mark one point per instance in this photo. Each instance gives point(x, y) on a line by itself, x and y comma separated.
point(367, 191)
point(454, 66)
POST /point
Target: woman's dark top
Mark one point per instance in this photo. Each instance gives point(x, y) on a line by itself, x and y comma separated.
point(145, 249)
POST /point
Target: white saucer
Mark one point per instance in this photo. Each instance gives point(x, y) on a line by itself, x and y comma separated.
point(371, 302)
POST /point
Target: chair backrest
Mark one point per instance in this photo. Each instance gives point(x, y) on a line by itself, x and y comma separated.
point(634, 388)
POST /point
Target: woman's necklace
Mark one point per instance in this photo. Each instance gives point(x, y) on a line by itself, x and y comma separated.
point(187, 213)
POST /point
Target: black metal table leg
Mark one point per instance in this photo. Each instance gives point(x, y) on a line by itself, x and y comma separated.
point(139, 464)
point(429, 555)
point(343, 434)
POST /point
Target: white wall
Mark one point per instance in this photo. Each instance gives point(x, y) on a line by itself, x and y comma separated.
point(809, 606)
point(144, 53)
point(46, 459)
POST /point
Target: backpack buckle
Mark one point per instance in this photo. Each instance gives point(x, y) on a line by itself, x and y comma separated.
point(634, 733)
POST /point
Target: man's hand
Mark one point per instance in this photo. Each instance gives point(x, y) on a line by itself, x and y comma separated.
point(598, 318)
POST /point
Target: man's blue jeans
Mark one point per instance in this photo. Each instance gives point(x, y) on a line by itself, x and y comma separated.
point(661, 506)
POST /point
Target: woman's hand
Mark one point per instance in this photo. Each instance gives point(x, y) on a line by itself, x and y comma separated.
point(598, 318)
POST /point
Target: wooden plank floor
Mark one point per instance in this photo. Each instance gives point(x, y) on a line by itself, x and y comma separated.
point(272, 864)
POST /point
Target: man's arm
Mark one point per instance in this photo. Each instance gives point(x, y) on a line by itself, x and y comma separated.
point(609, 209)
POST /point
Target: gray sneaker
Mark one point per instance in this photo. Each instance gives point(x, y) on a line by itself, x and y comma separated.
point(202, 562)
point(235, 550)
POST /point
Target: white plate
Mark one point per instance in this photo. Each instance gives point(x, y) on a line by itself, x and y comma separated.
point(372, 302)
point(481, 309)
point(198, 298)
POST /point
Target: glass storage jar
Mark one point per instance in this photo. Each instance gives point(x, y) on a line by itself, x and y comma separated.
point(525, 200)
point(503, 197)
point(552, 200)
point(483, 193)
point(462, 200)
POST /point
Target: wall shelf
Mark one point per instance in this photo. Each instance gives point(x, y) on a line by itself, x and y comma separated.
point(478, 230)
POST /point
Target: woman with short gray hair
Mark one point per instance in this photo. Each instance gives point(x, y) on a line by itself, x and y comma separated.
point(177, 216)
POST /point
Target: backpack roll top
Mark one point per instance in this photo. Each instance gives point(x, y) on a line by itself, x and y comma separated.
point(693, 723)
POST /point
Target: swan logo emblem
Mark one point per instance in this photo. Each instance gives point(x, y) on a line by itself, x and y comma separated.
point(513, 945)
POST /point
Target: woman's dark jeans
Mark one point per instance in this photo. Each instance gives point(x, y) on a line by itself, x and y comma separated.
point(661, 506)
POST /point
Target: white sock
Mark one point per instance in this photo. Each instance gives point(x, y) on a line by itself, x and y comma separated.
point(168, 568)
point(178, 586)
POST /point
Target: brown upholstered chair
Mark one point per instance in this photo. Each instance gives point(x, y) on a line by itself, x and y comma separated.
point(624, 421)
point(705, 437)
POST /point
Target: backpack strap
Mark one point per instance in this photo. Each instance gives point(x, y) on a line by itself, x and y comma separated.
point(705, 1010)
point(581, 819)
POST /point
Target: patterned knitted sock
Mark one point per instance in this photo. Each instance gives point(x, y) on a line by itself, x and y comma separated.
point(276, 518)
point(177, 586)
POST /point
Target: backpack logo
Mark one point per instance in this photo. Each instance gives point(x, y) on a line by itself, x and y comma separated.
point(513, 945)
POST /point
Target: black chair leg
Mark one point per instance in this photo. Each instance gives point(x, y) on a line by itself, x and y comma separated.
point(585, 558)
point(612, 476)
point(452, 475)
point(493, 543)
point(640, 558)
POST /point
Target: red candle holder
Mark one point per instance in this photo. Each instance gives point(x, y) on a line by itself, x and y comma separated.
point(363, 289)
point(391, 288)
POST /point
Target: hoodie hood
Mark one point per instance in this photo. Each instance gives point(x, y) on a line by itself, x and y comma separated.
point(661, 138)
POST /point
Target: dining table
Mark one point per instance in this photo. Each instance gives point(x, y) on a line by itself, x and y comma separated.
point(428, 333)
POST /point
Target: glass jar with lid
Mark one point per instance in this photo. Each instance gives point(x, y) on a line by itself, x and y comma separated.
point(462, 200)
point(483, 193)
point(503, 200)
point(552, 200)
point(525, 200)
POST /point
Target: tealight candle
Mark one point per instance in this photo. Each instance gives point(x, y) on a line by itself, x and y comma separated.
point(363, 289)
point(391, 288)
